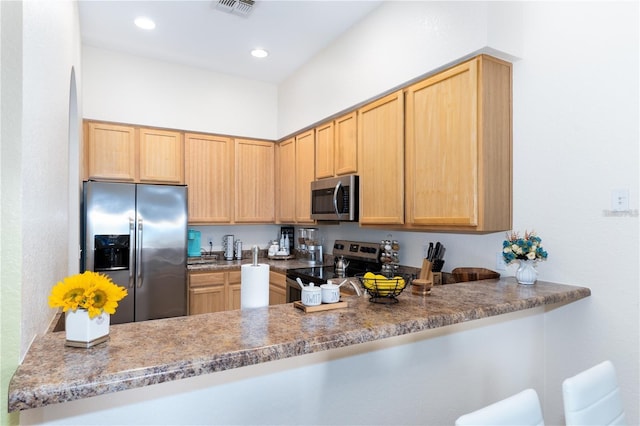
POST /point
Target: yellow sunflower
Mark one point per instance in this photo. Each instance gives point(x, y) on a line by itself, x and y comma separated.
point(90, 290)
point(103, 295)
point(69, 293)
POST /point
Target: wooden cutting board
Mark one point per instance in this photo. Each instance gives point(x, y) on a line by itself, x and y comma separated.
point(320, 307)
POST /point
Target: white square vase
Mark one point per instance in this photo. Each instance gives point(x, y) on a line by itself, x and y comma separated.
point(84, 332)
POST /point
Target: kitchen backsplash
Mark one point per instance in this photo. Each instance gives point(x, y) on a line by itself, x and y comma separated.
point(462, 249)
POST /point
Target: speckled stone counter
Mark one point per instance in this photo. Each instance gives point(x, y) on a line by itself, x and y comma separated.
point(145, 353)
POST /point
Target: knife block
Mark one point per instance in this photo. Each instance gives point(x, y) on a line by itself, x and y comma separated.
point(421, 286)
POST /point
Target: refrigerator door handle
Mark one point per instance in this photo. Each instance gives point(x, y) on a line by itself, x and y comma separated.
point(132, 253)
point(139, 254)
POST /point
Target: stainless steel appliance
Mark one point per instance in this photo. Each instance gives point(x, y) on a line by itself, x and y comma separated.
point(360, 257)
point(310, 246)
point(335, 199)
point(228, 246)
point(137, 235)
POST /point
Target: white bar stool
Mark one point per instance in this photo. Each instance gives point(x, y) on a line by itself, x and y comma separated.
point(518, 410)
point(593, 397)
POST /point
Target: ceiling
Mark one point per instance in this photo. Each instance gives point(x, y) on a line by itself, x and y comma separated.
point(200, 33)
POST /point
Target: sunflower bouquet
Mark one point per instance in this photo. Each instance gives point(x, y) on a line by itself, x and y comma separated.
point(91, 291)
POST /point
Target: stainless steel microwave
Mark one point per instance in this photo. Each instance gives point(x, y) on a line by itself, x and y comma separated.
point(335, 199)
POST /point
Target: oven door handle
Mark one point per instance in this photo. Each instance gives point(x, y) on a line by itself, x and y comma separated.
point(335, 198)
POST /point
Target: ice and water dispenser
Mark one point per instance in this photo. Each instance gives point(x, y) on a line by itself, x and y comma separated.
point(111, 252)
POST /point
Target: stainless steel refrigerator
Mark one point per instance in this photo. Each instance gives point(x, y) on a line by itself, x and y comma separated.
point(137, 235)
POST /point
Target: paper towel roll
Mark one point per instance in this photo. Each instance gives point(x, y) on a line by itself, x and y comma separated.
point(254, 286)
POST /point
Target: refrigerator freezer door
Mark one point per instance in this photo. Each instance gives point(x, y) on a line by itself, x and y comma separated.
point(110, 211)
point(161, 233)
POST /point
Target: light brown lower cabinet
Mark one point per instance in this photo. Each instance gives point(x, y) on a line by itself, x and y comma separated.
point(277, 288)
point(233, 290)
point(213, 291)
point(221, 291)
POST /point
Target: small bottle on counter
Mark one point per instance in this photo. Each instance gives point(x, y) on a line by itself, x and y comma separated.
point(238, 249)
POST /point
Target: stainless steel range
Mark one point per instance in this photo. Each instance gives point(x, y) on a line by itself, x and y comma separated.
point(359, 257)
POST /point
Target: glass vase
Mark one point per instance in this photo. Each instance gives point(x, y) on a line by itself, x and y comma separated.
point(527, 274)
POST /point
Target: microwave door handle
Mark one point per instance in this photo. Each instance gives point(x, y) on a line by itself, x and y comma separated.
point(335, 198)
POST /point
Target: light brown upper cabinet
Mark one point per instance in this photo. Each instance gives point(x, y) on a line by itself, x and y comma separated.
point(254, 181)
point(209, 171)
point(458, 148)
point(305, 174)
point(110, 152)
point(337, 147)
point(133, 154)
point(381, 150)
point(161, 156)
point(286, 181)
point(324, 150)
point(346, 144)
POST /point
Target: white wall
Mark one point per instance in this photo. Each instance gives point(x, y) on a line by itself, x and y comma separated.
point(40, 39)
point(575, 139)
point(129, 89)
point(51, 36)
point(395, 43)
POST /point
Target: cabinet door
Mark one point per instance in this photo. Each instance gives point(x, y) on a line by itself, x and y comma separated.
point(305, 174)
point(161, 156)
point(286, 181)
point(324, 150)
point(234, 290)
point(204, 300)
point(442, 148)
point(209, 176)
point(254, 176)
point(110, 152)
point(346, 145)
point(277, 288)
point(207, 292)
point(381, 148)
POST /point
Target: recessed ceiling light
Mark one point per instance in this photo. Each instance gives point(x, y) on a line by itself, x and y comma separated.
point(145, 23)
point(259, 53)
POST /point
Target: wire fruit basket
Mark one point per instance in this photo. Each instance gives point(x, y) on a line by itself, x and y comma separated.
point(383, 289)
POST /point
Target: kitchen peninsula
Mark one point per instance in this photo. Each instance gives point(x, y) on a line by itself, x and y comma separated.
point(155, 352)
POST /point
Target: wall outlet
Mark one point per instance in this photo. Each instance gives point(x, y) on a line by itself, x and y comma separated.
point(620, 200)
point(500, 265)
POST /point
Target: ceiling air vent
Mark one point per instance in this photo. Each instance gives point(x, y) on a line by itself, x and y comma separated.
point(238, 7)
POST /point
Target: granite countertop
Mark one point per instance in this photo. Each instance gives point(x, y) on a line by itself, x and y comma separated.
point(145, 353)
